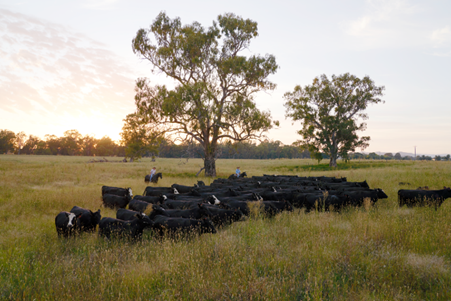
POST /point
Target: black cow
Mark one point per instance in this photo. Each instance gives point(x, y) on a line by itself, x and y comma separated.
point(176, 204)
point(423, 197)
point(174, 226)
point(66, 223)
point(129, 215)
point(221, 217)
point(182, 188)
point(88, 220)
point(198, 212)
point(157, 191)
point(157, 200)
point(115, 201)
point(138, 205)
point(155, 178)
point(356, 198)
point(240, 205)
point(281, 205)
point(133, 229)
point(117, 191)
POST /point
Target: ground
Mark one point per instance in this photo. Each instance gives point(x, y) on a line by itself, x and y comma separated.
point(383, 253)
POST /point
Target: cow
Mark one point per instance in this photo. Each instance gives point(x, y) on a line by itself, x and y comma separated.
point(221, 217)
point(88, 220)
point(281, 205)
point(117, 191)
point(174, 226)
point(157, 200)
point(129, 215)
point(66, 223)
point(155, 178)
point(197, 212)
point(356, 198)
point(423, 197)
point(133, 230)
point(157, 191)
point(138, 205)
point(182, 188)
point(115, 201)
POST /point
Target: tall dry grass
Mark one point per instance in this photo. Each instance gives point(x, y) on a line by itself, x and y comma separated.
point(371, 253)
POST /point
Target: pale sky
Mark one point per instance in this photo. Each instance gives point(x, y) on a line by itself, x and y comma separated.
point(69, 64)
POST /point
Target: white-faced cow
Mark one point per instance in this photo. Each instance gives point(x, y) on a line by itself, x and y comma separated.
point(88, 220)
point(65, 223)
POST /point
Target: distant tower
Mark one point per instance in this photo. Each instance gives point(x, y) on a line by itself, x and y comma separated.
point(415, 147)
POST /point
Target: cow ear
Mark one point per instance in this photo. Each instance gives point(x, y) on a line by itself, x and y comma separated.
point(78, 216)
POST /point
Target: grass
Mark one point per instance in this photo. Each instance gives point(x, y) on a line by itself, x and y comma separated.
point(383, 253)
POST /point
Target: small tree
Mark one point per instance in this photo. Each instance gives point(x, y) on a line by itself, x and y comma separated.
point(139, 137)
point(330, 110)
point(398, 156)
point(214, 82)
point(7, 139)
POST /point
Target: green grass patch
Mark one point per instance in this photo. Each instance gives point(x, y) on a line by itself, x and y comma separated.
point(340, 166)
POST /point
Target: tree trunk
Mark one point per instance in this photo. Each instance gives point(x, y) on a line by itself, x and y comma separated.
point(210, 165)
point(333, 161)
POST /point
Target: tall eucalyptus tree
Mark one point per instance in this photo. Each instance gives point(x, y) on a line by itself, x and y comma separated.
point(215, 82)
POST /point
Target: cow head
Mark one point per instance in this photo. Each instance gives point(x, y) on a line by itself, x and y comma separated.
point(163, 198)
point(175, 191)
point(71, 220)
point(212, 199)
point(130, 193)
point(95, 217)
point(381, 194)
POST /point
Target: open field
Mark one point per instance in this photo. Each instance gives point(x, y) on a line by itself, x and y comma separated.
point(382, 253)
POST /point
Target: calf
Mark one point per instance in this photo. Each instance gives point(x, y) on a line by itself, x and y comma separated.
point(133, 229)
point(88, 220)
point(65, 223)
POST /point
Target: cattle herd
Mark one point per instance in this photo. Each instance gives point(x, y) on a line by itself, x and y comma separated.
point(186, 210)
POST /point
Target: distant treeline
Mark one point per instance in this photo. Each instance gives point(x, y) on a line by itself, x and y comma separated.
point(71, 144)
point(74, 144)
point(397, 156)
point(242, 150)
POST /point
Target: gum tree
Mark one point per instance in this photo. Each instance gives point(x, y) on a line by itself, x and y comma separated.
point(138, 137)
point(215, 83)
point(331, 112)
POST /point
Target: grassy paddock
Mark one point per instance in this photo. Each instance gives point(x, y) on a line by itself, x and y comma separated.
point(382, 253)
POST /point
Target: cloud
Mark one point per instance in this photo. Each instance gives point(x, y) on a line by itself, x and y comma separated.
point(441, 36)
point(99, 4)
point(48, 69)
point(385, 23)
